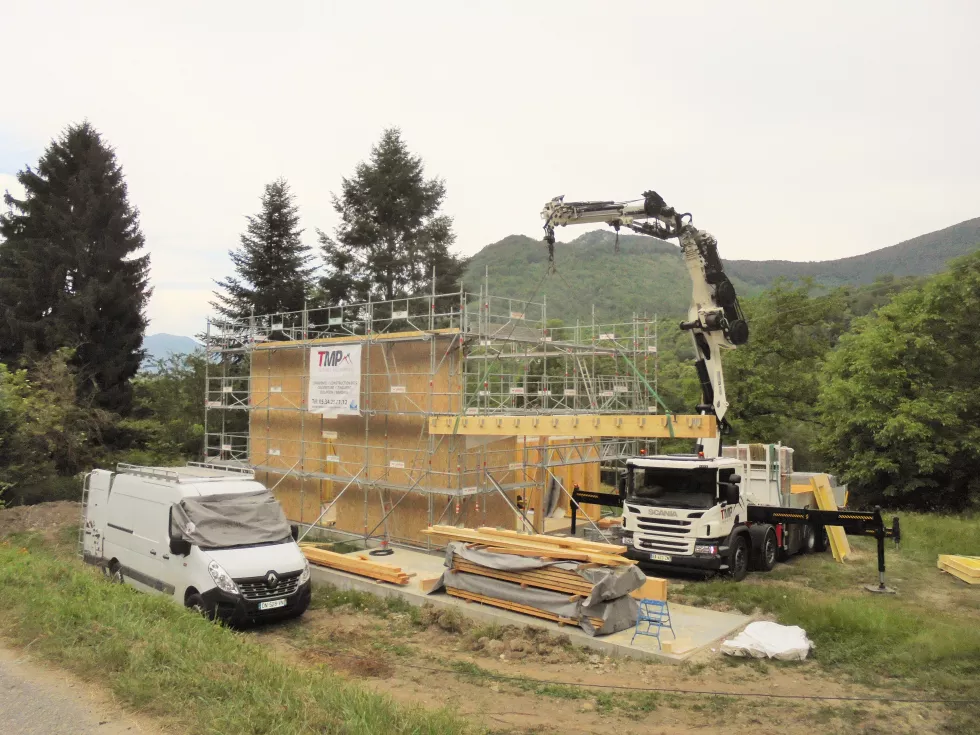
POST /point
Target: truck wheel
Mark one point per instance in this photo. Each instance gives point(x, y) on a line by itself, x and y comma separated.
point(738, 558)
point(809, 540)
point(820, 540)
point(767, 554)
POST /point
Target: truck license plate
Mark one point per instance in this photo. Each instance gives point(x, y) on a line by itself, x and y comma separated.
point(660, 557)
point(271, 604)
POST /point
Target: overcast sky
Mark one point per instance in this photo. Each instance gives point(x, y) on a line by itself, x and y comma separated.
point(795, 130)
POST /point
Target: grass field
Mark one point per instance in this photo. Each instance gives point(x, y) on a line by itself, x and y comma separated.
point(161, 659)
point(925, 638)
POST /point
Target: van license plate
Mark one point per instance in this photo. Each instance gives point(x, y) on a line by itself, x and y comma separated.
point(660, 557)
point(271, 604)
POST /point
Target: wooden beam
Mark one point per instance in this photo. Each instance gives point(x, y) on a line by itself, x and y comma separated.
point(648, 426)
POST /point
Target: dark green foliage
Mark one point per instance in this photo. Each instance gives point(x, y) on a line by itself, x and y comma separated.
point(901, 407)
point(391, 234)
point(272, 264)
point(773, 381)
point(70, 275)
point(47, 434)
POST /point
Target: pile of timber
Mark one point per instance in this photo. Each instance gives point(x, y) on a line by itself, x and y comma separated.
point(537, 545)
point(966, 568)
point(525, 609)
point(569, 582)
point(358, 564)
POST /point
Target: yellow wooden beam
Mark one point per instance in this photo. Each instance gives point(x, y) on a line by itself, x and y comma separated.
point(641, 426)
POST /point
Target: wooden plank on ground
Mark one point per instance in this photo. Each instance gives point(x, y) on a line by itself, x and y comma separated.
point(967, 565)
point(354, 565)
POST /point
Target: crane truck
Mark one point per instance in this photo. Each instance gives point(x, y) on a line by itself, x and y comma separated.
point(691, 511)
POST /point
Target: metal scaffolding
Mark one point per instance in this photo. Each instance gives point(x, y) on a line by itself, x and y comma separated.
point(485, 355)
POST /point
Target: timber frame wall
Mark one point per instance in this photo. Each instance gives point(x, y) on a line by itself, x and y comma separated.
point(391, 472)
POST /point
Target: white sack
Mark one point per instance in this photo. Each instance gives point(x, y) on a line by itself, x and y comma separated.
point(769, 640)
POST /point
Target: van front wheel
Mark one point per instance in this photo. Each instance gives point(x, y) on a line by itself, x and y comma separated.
point(196, 603)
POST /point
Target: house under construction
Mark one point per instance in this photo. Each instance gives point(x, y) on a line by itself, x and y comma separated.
point(383, 418)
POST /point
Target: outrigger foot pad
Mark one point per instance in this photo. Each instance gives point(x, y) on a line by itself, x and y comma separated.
point(881, 589)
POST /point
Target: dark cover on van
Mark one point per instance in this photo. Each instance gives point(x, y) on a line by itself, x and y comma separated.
point(240, 519)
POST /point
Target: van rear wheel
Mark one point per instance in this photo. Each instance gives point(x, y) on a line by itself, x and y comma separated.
point(113, 573)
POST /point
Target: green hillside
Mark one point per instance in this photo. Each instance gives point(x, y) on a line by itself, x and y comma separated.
point(648, 276)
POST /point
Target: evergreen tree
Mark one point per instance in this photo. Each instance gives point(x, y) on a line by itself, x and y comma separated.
point(70, 275)
point(391, 234)
point(272, 263)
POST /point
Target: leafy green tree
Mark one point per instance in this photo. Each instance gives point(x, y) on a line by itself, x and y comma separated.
point(391, 234)
point(272, 264)
point(46, 435)
point(901, 405)
point(773, 381)
point(70, 273)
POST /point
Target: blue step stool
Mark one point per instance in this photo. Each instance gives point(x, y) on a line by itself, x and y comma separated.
point(653, 617)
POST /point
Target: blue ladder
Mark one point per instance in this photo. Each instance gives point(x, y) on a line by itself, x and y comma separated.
point(654, 615)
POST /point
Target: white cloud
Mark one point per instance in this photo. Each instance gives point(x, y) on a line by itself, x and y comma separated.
point(787, 132)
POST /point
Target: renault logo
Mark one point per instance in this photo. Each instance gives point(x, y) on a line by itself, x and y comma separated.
point(271, 579)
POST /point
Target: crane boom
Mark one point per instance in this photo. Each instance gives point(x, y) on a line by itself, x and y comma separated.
point(715, 319)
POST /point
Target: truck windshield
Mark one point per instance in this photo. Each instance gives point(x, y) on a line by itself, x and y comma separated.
point(673, 488)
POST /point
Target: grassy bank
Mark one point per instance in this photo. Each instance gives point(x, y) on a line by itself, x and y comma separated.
point(163, 660)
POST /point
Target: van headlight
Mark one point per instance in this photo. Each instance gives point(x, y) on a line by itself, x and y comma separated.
point(304, 576)
point(221, 578)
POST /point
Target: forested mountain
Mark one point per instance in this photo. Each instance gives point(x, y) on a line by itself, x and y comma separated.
point(648, 275)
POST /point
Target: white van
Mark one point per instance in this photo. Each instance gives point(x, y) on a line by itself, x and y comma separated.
point(211, 537)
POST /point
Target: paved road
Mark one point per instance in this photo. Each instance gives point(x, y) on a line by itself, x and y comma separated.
point(37, 700)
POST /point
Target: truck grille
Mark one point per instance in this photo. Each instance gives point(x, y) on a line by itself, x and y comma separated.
point(257, 588)
point(666, 545)
point(663, 525)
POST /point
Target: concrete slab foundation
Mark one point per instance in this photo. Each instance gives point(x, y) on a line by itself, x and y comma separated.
point(700, 627)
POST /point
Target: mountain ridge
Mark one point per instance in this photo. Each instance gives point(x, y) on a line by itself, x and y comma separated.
point(647, 276)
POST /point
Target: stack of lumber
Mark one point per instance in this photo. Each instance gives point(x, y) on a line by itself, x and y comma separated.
point(966, 568)
point(525, 609)
point(537, 545)
point(358, 564)
point(556, 580)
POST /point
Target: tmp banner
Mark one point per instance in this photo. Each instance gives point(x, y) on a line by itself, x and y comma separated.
point(335, 381)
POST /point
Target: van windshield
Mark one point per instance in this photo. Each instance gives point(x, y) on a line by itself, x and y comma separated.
point(230, 520)
point(673, 488)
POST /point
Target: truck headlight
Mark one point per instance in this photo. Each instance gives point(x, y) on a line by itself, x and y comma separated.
point(705, 549)
point(304, 576)
point(221, 578)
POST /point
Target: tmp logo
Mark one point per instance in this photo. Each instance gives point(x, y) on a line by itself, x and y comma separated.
point(333, 358)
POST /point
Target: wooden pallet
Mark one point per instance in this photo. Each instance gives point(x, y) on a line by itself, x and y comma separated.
point(499, 541)
point(523, 609)
point(556, 580)
point(356, 564)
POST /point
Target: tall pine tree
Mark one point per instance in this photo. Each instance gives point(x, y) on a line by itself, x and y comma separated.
point(70, 272)
point(273, 268)
point(391, 234)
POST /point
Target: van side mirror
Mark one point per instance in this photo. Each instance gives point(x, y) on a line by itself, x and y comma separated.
point(294, 531)
point(179, 546)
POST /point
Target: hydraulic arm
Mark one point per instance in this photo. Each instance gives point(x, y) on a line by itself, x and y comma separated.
point(715, 320)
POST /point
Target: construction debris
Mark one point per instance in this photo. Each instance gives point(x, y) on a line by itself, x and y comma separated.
point(966, 568)
point(355, 564)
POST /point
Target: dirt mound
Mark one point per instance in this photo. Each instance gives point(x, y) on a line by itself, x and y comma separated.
point(46, 518)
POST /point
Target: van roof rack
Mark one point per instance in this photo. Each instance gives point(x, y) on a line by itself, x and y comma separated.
point(191, 472)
